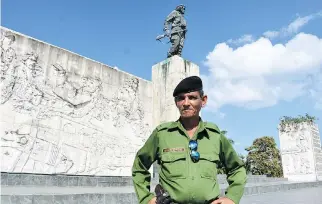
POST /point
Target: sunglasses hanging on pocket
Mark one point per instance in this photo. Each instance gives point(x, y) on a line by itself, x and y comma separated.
point(194, 154)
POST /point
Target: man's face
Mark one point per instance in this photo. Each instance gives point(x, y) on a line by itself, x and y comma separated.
point(190, 104)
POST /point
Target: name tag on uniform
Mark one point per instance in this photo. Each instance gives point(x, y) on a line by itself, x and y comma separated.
point(176, 149)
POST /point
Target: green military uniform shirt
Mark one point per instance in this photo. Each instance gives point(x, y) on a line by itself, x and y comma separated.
point(186, 181)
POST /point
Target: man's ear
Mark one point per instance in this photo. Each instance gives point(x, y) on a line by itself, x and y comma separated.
point(204, 100)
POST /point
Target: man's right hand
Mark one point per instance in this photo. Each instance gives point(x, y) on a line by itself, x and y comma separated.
point(153, 200)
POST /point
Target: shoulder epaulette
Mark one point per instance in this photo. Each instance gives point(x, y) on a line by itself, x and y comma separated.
point(163, 126)
point(212, 127)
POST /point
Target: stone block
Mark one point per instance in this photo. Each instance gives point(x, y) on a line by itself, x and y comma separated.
point(5, 199)
point(39, 180)
point(4, 179)
point(112, 198)
point(125, 198)
point(62, 181)
point(87, 181)
point(28, 179)
point(62, 199)
point(96, 198)
point(298, 151)
point(14, 179)
point(81, 198)
point(22, 199)
point(52, 181)
point(42, 199)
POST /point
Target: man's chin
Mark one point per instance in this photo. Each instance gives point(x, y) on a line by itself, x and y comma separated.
point(187, 115)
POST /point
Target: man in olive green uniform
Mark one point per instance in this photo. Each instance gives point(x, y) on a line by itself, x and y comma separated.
point(188, 151)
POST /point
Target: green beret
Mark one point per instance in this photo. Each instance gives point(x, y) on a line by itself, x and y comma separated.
point(189, 84)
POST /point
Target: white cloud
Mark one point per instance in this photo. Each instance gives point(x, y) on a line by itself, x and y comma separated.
point(260, 74)
point(293, 27)
point(241, 40)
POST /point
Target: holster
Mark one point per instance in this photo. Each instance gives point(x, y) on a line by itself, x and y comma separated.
point(162, 195)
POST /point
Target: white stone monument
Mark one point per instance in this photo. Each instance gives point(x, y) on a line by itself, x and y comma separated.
point(301, 153)
point(165, 77)
point(62, 113)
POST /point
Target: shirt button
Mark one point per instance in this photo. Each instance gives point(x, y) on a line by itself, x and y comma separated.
point(193, 178)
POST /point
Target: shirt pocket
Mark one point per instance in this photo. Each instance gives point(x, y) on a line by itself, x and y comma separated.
point(208, 165)
point(173, 165)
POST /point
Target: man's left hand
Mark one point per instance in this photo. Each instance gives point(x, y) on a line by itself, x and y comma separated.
point(223, 201)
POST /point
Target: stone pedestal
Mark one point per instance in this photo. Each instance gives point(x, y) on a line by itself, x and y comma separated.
point(301, 152)
point(165, 77)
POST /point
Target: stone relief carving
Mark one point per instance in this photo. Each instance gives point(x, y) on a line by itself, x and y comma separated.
point(296, 140)
point(295, 164)
point(297, 150)
point(8, 66)
point(75, 128)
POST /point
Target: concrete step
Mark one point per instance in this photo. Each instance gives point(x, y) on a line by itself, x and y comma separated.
point(111, 195)
point(311, 195)
point(22, 179)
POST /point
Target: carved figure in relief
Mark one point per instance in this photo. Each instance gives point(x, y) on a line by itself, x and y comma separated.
point(15, 138)
point(295, 140)
point(28, 93)
point(305, 167)
point(76, 90)
point(8, 67)
point(13, 143)
point(297, 164)
point(302, 142)
point(287, 163)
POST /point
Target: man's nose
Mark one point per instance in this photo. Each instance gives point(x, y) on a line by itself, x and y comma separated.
point(186, 101)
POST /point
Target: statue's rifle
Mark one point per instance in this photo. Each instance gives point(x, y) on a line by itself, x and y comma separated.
point(159, 37)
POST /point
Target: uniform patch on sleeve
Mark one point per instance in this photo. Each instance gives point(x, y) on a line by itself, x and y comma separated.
point(176, 149)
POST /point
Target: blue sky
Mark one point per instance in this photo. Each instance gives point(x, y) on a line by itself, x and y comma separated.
point(247, 99)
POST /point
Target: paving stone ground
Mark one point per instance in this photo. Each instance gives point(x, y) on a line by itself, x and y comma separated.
point(298, 196)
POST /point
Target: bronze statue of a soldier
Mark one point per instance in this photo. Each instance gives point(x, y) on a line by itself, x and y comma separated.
point(178, 30)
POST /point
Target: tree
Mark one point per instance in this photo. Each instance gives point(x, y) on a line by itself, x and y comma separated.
point(221, 168)
point(264, 158)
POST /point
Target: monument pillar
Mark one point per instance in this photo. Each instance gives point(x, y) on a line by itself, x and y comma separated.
point(165, 77)
point(301, 152)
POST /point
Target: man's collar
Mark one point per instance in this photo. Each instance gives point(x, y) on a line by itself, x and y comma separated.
point(177, 125)
point(174, 125)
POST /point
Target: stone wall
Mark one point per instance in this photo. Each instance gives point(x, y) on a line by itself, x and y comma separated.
point(301, 152)
point(64, 113)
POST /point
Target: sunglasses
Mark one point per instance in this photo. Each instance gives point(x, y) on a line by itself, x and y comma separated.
point(194, 154)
